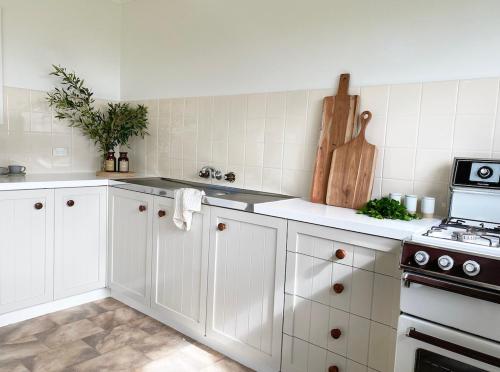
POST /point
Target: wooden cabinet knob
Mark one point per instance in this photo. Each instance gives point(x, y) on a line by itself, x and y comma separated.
point(335, 333)
point(338, 287)
point(162, 213)
point(142, 208)
point(38, 205)
point(333, 369)
point(221, 226)
point(340, 254)
point(70, 203)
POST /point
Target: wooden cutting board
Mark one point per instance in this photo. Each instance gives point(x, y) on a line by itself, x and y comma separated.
point(351, 173)
point(337, 128)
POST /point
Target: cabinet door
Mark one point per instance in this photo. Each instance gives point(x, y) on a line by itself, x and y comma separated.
point(80, 240)
point(246, 283)
point(180, 265)
point(26, 248)
point(130, 233)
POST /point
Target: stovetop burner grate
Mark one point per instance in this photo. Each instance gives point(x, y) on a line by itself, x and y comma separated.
point(472, 232)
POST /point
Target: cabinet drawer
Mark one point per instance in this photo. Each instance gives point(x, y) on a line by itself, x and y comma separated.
point(351, 289)
point(329, 328)
point(301, 356)
point(340, 286)
point(366, 252)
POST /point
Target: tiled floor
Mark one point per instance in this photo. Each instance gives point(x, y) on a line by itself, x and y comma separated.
point(105, 335)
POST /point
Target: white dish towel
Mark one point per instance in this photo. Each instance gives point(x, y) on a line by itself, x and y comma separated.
point(186, 202)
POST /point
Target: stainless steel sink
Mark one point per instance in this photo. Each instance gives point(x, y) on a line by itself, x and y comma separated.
point(221, 196)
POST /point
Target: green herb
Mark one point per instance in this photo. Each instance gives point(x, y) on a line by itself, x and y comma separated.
point(75, 103)
point(387, 208)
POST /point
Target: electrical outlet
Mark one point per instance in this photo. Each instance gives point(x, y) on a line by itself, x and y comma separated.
point(60, 151)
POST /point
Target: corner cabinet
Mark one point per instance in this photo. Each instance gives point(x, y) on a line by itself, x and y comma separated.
point(180, 265)
point(130, 224)
point(26, 248)
point(245, 286)
point(80, 240)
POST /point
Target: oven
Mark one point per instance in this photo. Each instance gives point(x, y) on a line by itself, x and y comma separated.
point(447, 326)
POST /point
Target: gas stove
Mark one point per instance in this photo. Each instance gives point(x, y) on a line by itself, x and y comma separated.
point(450, 293)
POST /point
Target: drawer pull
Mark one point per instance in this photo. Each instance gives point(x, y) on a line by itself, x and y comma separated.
point(221, 226)
point(333, 369)
point(335, 333)
point(338, 287)
point(38, 205)
point(70, 203)
point(340, 254)
point(161, 213)
point(142, 208)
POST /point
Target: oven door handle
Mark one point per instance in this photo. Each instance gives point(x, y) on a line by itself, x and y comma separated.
point(445, 285)
point(454, 348)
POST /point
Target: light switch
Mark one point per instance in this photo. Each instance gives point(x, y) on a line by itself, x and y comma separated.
point(60, 151)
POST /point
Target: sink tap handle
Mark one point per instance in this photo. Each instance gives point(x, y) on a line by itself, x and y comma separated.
point(230, 177)
point(204, 173)
point(218, 174)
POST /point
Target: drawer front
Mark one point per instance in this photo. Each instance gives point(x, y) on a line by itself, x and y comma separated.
point(301, 356)
point(333, 245)
point(326, 327)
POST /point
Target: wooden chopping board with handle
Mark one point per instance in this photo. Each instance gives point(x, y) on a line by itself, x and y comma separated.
point(337, 128)
point(351, 173)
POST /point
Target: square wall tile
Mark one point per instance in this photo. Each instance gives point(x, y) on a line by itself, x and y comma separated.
point(433, 165)
point(402, 130)
point(255, 129)
point(18, 99)
point(439, 98)
point(375, 99)
point(293, 156)
point(473, 132)
point(275, 129)
point(478, 96)
point(271, 180)
point(296, 103)
point(295, 129)
point(38, 101)
point(256, 106)
point(404, 99)
point(436, 132)
point(376, 130)
point(401, 186)
point(273, 154)
point(275, 104)
point(399, 163)
point(253, 178)
point(254, 154)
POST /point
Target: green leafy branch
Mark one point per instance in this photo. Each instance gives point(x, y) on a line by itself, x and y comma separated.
point(74, 102)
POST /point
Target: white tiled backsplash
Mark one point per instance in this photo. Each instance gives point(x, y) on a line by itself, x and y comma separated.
point(29, 134)
point(269, 139)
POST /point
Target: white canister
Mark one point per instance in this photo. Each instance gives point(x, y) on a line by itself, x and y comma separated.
point(427, 206)
point(395, 196)
point(411, 203)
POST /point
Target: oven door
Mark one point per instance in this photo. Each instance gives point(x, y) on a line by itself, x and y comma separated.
point(427, 347)
point(455, 305)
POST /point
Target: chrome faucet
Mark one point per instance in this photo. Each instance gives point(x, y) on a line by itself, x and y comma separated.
point(211, 172)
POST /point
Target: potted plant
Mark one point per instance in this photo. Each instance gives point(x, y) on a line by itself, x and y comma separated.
point(108, 128)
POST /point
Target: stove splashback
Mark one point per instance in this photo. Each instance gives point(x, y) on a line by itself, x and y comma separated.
point(475, 205)
point(475, 190)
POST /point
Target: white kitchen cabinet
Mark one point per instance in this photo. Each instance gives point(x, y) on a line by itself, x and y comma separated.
point(354, 292)
point(180, 267)
point(26, 248)
point(245, 286)
point(80, 240)
point(130, 244)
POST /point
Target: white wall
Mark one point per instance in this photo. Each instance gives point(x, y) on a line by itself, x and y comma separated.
point(81, 35)
point(181, 48)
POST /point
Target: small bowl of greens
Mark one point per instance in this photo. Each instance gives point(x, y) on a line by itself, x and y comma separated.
point(387, 208)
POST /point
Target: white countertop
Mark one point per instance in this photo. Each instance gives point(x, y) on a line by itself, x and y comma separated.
point(342, 218)
point(292, 209)
point(47, 181)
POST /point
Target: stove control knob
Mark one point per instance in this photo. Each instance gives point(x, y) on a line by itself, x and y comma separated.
point(484, 172)
point(471, 268)
point(445, 263)
point(421, 258)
